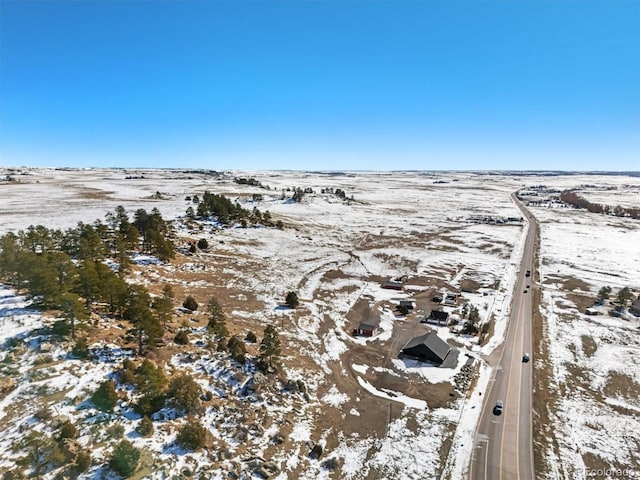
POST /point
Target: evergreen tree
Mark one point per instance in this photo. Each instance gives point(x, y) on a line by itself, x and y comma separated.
point(122, 254)
point(105, 397)
point(192, 435)
point(10, 255)
point(38, 448)
point(124, 459)
point(114, 290)
point(270, 348)
point(292, 300)
point(182, 337)
point(190, 303)
point(73, 309)
point(163, 309)
point(150, 378)
point(80, 349)
point(145, 427)
point(604, 293)
point(88, 283)
point(237, 349)
point(217, 319)
point(90, 246)
point(184, 394)
point(147, 331)
point(151, 382)
point(624, 295)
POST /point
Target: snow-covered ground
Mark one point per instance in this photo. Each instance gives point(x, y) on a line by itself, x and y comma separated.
point(334, 253)
point(593, 360)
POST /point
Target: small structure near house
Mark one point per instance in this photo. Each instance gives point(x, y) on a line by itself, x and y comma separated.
point(407, 304)
point(427, 347)
point(392, 285)
point(367, 329)
point(437, 316)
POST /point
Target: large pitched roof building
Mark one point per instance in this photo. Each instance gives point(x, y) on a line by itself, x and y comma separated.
point(427, 347)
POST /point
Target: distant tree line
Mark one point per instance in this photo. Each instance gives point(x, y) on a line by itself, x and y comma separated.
point(251, 182)
point(298, 193)
point(338, 192)
point(572, 198)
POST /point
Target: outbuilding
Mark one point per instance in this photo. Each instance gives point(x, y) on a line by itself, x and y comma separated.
point(367, 329)
point(406, 303)
point(392, 285)
point(437, 316)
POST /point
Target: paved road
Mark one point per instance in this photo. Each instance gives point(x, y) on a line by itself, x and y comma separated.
point(503, 444)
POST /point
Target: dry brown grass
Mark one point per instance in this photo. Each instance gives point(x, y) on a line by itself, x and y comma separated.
point(589, 346)
point(543, 399)
point(568, 284)
point(620, 384)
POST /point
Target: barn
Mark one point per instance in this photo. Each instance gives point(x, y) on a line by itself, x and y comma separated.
point(428, 347)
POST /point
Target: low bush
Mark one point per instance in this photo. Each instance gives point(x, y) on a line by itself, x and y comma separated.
point(192, 435)
point(145, 427)
point(182, 337)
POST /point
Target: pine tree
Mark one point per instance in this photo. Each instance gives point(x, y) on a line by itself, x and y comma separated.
point(624, 295)
point(270, 348)
point(73, 309)
point(192, 435)
point(88, 283)
point(151, 382)
point(184, 394)
point(105, 397)
point(190, 303)
point(145, 427)
point(163, 305)
point(150, 378)
point(125, 458)
point(604, 293)
point(292, 300)
point(217, 319)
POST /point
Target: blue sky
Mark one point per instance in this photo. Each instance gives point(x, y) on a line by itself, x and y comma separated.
point(382, 85)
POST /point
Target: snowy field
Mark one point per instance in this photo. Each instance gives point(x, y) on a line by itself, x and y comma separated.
point(365, 407)
point(593, 360)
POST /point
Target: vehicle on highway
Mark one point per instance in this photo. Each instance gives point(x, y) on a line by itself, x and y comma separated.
point(525, 290)
point(525, 358)
point(497, 410)
point(528, 274)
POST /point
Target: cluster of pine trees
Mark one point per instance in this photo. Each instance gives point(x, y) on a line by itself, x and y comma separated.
point(228, 212)
point(66, 270)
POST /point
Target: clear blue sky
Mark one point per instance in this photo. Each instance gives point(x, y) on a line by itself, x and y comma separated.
point(424, 84)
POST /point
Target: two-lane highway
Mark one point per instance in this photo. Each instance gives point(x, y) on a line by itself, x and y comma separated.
point(503, 445)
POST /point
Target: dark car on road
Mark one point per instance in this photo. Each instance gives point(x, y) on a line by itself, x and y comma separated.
point(525, 358)
point(497, 410)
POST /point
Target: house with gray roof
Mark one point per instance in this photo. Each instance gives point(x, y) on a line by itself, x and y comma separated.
point(428, 347)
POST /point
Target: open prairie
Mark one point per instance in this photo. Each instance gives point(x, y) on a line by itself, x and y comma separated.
point(341, 405)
